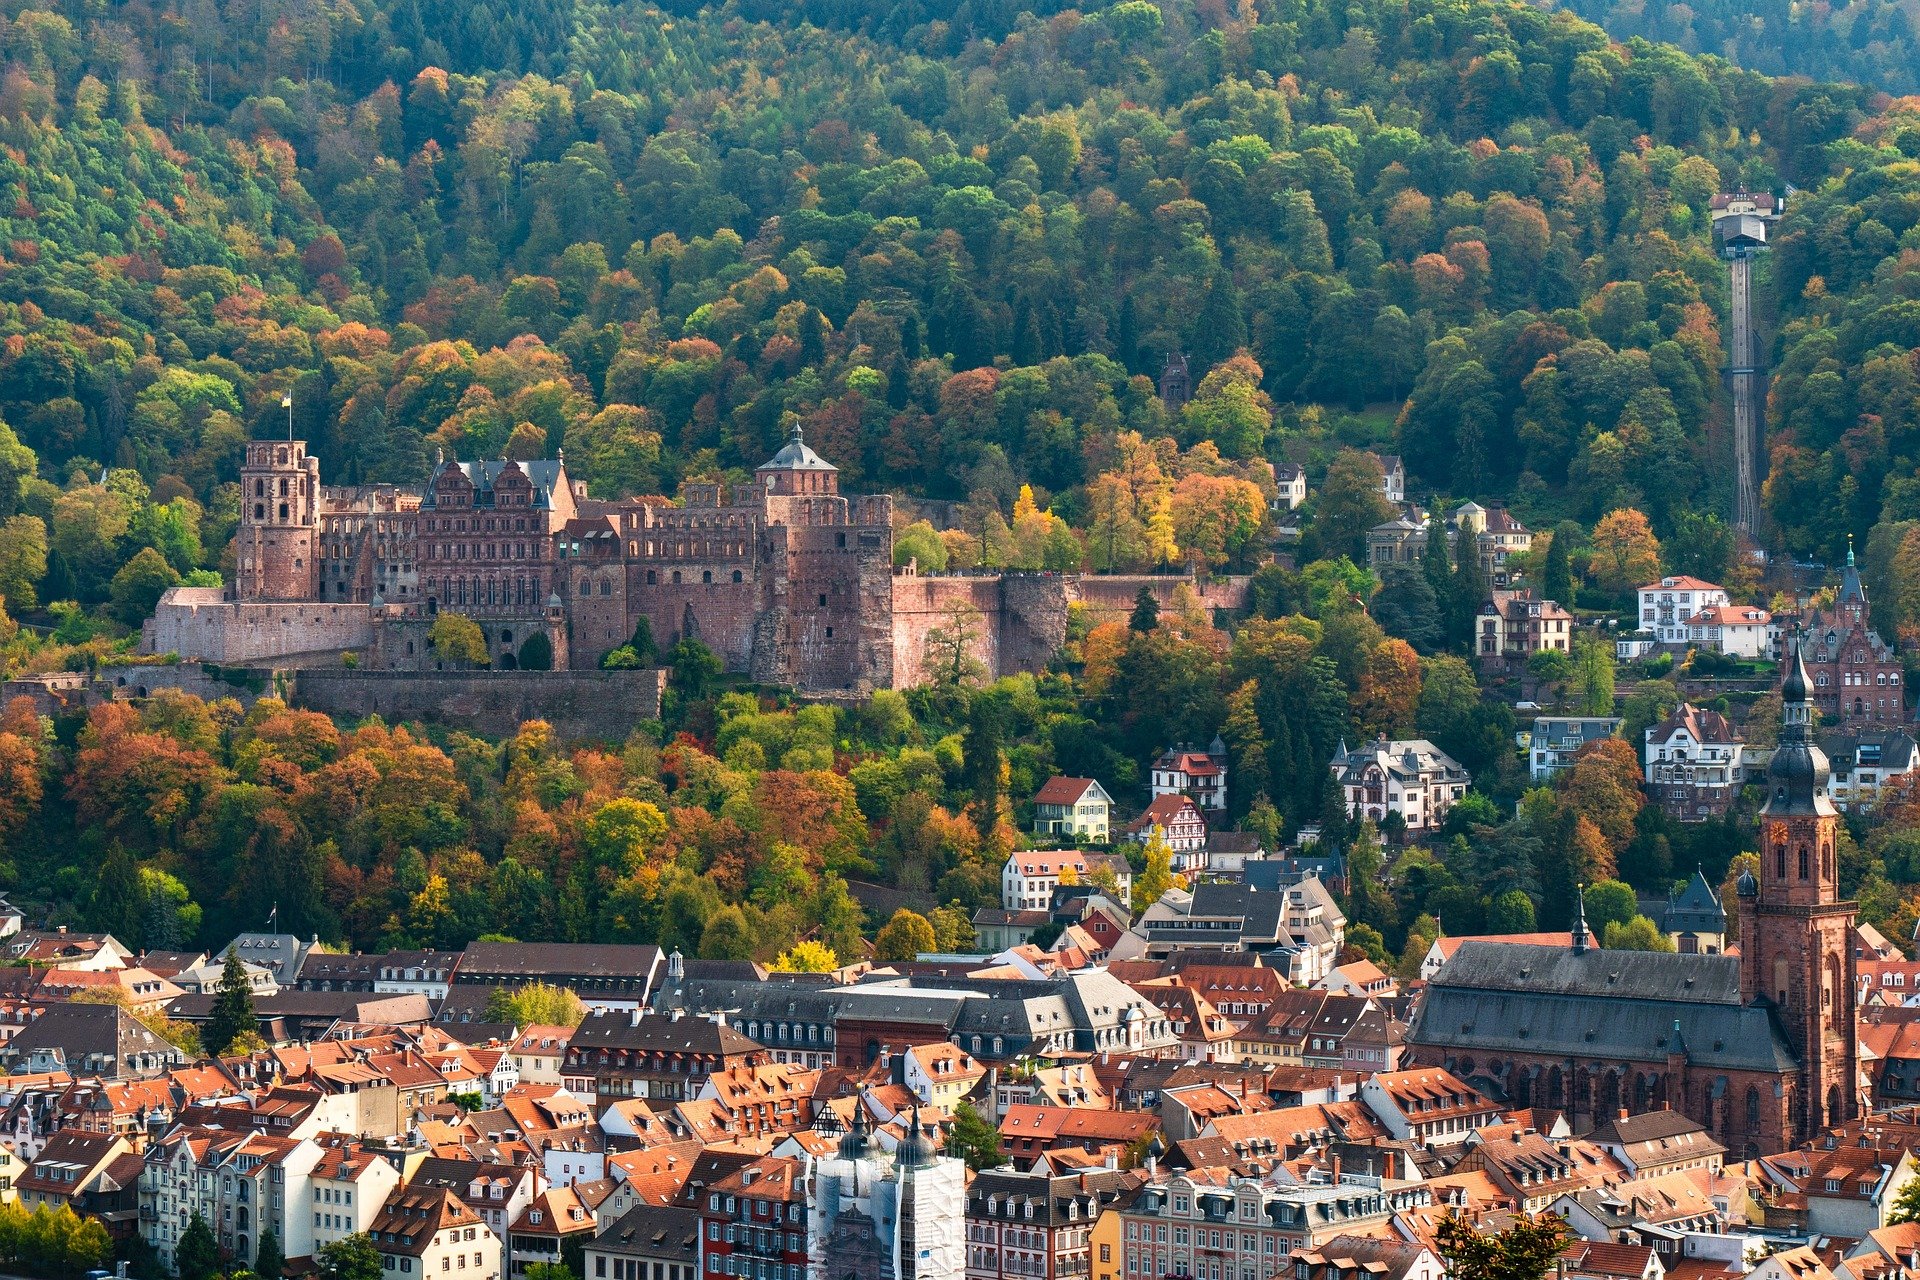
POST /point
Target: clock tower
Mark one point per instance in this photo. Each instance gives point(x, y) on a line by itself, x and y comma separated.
point(1796, 952)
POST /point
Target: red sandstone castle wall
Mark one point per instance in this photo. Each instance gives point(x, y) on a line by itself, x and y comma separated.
point(924, 604)
point(1110, 597)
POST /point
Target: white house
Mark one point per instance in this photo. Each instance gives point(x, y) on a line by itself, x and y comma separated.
point(1290, 487)
point(1393, 476)
point(241, 1184)
point(1182, 771)
point(425, 1231)
point(1693, 763)
point(538, 1052)
point(1406, 776)
point(347, 1187)
point(1739, 630)
point(1030, 876)
point(1428, 1105)
point(1073, 809)
point(1867, 763)
point(426, 973)
point(1667, 607)
point(1556, 740)
point(1177, 820)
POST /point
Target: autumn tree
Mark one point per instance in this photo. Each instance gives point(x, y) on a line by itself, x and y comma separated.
point(1388, 696)
point(535, 1004)
point(905, 936)
point(1626, 555)
point(1524, 1250)
point(805, 957)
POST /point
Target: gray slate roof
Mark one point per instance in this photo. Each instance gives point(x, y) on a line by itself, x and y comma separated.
point(1696, 910)
point(1545, 1000)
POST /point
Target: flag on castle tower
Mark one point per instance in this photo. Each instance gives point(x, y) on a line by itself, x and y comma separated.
point(286, 401)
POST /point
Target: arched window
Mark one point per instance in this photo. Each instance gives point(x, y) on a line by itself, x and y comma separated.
point(1780, 863)
point(1803, 862)
point(1753, 1109)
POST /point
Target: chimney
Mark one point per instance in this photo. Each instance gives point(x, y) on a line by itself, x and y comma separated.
point(1623, 1113)
point(1336, 1169)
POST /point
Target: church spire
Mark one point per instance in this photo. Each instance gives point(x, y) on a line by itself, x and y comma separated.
point(1580, 934)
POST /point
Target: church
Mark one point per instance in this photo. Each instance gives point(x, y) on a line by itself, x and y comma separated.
point(1760, 1048)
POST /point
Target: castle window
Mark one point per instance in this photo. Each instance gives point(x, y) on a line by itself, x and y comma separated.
point(737, 576)
point(283, 511)
point(586, 588)
point(259, 511)
point(676, 575)
point(706, 575)
point(839, 539)
point(823, 600)
point(652, 577)
point(606, 587)
point(1803, 862)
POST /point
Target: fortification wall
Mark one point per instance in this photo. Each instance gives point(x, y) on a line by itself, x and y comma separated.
point(601, 705)
point(247, 685)
point(1109, 597)
point(1033, 618)
point(197, 624)
point(925, 603)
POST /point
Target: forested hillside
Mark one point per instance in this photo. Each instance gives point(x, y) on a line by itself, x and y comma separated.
point(944, 244)
point(1870, 42)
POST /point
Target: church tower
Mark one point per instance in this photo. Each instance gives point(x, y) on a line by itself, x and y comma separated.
point(1795, 945)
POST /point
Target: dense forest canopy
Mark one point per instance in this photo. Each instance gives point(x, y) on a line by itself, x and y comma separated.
point(949, 244)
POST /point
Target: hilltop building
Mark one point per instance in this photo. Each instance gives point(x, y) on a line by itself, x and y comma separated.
point(785, 578)
point(1856, 675)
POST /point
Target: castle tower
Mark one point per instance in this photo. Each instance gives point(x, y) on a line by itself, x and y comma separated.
point(797, 469)
point(277, 550)
point(1795, 951)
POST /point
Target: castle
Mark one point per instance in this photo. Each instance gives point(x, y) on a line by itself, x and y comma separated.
point(1760, 1048)
point(787, 579)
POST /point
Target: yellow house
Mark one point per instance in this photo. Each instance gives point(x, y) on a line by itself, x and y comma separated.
point(1075, 808)
point(1103, 1247)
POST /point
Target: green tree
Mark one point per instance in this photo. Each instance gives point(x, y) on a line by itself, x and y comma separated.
point(905, 936)
point(268, 1259)
point(1610, 902)
point(349, 1258)
point(1593, 665)
point(535, 1004)
point(536, 653)
point(1350, 502)
point(117, 903)
point(232, 1015)
point(1511, 912)
point(728, 935)
point(919, 543)
point(1637, 934)
point(1906, 1205)
point(197, 1256)
point(1146, 611)
point(454, 637)
point(1557, 576)
point(139, 584)
point(975, 1141)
